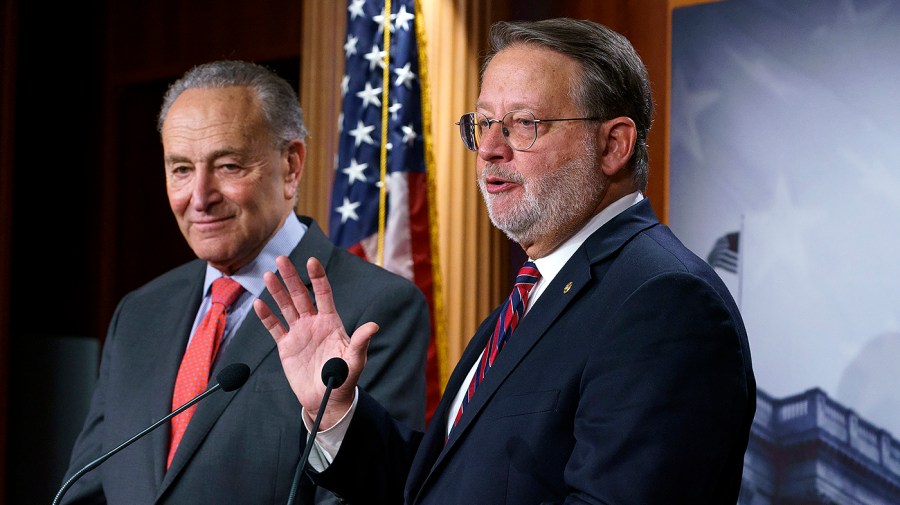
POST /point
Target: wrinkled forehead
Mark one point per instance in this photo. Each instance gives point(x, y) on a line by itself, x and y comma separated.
point(214, 105)
point(203, 114)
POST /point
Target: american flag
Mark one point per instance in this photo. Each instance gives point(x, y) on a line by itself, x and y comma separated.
point(724, 253)
point(384, 212)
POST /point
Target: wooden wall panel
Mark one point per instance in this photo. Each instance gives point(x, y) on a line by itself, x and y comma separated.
point(324, 31)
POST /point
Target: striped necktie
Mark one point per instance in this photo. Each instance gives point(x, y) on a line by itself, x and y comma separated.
point(512, 311)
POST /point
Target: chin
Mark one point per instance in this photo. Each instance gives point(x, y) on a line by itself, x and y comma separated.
point(214, 255)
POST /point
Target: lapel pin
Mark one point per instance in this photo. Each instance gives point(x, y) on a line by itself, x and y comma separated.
point(567, 288)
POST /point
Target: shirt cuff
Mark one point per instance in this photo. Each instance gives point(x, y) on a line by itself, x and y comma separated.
point(328, 442)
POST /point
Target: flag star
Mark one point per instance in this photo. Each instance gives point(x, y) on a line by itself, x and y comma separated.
point(361, 134)
point(370, 95)
point(394, 109)
point(350, 45)
point(403, 18)
point(356, 9)
point(375, 56)
point(345, 85)
point(381, 22)
point(405, 76)
point(355, 171)
point(348, 210)
point(409, 135)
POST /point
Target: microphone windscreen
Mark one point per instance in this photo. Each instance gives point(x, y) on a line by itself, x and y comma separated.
point(335, 369)
point(233, 376)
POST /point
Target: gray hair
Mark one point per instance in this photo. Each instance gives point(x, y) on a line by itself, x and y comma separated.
point(614, 81)
point(277, 100)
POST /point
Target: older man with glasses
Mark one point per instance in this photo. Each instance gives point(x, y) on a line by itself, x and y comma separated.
point(617, 372)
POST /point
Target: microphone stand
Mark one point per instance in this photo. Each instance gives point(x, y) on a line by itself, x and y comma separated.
point(234, 376)
point(334, 373)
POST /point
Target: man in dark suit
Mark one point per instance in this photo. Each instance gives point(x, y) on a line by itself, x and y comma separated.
point(618, 373)
point(233, 137)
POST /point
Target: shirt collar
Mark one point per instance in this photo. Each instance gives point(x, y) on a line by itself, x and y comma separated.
point(250, 276)
point(551, 264)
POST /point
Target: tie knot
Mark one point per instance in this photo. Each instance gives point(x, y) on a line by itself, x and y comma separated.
point(528, 274)
point(226, 291)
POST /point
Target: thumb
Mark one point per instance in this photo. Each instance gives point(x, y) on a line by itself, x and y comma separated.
point(355, 353)
point(359, 342)
point(355, 356)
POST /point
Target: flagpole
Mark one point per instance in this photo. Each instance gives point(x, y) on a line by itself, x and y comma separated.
point(385, 96)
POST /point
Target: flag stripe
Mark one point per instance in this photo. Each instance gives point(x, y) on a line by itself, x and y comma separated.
point(724, 253)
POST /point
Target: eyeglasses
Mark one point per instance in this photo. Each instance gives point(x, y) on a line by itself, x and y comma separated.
point(519, 128)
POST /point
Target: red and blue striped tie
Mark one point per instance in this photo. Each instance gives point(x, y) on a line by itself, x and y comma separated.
point(510, 314)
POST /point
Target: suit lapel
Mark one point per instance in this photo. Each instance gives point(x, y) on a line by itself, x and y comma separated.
point(168, 325)
point(433, 441)
point(314, 245)
point(250, 345)
point(530, 330)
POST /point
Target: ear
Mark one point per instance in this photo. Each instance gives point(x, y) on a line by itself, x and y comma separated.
point(296, 158)
point(618, 138)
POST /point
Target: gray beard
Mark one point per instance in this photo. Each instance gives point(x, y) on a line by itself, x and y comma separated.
point(554, 202)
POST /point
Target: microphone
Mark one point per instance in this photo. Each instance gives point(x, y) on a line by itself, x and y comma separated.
point(334, 373)
point(231, 377)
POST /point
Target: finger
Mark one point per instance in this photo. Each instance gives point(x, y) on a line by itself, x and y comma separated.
point(281, 297)
point(321, 287)
point(268, 319)
point(296, 288)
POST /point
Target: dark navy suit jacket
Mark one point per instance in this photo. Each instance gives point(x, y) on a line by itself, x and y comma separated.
point(629, 381)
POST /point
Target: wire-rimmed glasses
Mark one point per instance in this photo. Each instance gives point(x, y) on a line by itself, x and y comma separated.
point(519, 128)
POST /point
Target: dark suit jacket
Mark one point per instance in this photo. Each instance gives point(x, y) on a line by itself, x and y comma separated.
point(241, 447)
point(629, 381)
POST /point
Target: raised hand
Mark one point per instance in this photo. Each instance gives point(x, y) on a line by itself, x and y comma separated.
point(313, 336)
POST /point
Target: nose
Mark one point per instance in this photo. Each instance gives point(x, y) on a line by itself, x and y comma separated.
point(493, 146)
point(205, 191)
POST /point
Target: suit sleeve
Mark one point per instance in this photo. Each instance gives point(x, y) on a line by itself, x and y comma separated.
point(375, 457)
point(376, 453)
point(662, 401)
point(395, 366)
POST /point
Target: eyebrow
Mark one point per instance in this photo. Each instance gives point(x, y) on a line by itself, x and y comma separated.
point(171, 160)
point(515, 106)
point(219, 153)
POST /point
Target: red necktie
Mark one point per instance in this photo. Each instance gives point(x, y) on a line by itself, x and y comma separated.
point(193, 373)
point(510, 314)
